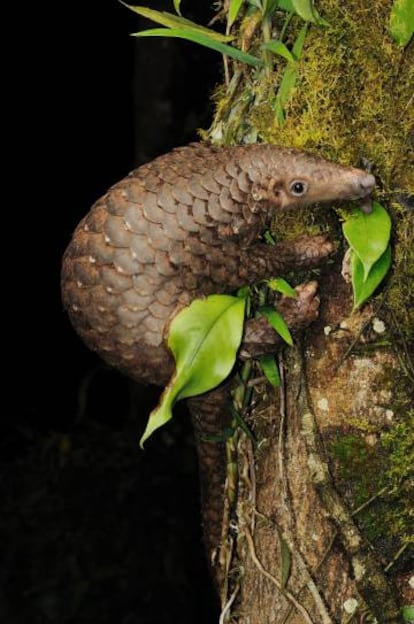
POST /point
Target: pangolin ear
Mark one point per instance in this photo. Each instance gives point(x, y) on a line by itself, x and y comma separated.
point(259, 192)
point(267, 190)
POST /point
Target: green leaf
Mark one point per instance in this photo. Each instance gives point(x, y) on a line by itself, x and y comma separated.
point(368, 234)
point(204, 40)
point(277, 322)
point(364, 288)
point(287, 5)
point(269, 7)
point(234, 9)
point(288, 82)
point(177, 8)
point(270, 369)
point(176, 22)
point(206, 335)
point(402, 21)
point(305, 9)
point(256, 3)
point(203, 338)
point(269, 238)
point(278, 284)
point(161, 414)
point(243, 291)
point(408, 613)
point(300, 40)
point(286, 562)
point(277, 47)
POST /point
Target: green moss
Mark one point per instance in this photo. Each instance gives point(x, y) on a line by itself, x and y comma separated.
point(362, 471)
point(399, 476)
point(355, 467)
point(399, 297)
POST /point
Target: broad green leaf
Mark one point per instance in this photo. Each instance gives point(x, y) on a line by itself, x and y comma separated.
point(287, 84)
point(277, 47)
point(402, 21)
point(364, 288)
point(408, 613)
point(277, 322)
point(368, 234)
point(287, 5)
point(206, 335)
point(278, 284)
point(234, 8)
point(203, 338)
point(176, 22)
point(204, 40)
point(270, 369)
point(305, 9)
point(177, 6)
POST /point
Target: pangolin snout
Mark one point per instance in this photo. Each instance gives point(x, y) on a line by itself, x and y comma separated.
point(364, 184)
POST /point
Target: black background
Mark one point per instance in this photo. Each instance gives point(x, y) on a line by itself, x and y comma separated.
point(92, 529)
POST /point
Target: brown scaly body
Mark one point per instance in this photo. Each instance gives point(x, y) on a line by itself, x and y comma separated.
point(187, 225)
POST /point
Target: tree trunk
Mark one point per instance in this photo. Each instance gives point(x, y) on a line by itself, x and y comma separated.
point(322, 532)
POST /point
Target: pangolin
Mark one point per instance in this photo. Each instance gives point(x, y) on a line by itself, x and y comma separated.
point(186, 225)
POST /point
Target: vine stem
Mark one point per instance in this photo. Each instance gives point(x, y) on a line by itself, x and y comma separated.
point(300, 608)
point(396, 557)
point(227, 606)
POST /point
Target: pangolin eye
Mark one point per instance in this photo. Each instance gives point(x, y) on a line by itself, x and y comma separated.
point(298, 188)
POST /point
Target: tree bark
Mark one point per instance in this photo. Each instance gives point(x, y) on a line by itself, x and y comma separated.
point(322, 532)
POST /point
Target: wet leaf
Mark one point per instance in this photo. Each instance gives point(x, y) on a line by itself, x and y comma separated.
point(256, 3)
point(364, 288)
point(269, 7)
point(277, 47)
point(288, 82)
point(368, 234)
point(234, 9)
point(278, 323)
point(268, 237)
point(204, 40)
point(402, 21)
point(170, 20)
point(278, 284)
point(270, 370)
point(305, 9)
point(203, 338)
point(408, 613)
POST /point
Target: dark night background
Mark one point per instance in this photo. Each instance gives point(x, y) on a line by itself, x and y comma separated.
point(91, 528)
